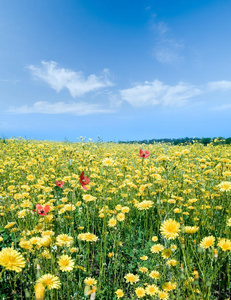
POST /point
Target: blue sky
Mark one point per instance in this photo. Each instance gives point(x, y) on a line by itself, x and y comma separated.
point(121, 70)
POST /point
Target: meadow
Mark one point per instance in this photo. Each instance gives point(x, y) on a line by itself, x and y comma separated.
point(114, 221)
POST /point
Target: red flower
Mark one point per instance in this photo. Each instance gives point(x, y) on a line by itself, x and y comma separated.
point(60, 184)
point(42, 211)
point(144, 153)
point(84, 180)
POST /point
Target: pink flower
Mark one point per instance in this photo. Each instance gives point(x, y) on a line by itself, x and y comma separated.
point(60, 184)
point(144, 153)
point(42, 211)
point(84, 180)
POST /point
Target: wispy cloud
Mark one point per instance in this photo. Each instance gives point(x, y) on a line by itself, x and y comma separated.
point(44, 107)
point(222, 85)
point(156, 92)
point(168, 51)
point(60, 78)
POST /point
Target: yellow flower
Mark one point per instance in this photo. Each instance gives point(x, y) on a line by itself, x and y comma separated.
point(1, 238)
point(157, 248)
point(39, 291)
point(112, 222)
point(166, 253)
point(119, 293)
point(49, 281)
point(143, 269)
point(144, 205)
point(229, 222)
point(89, 237)
point(144, 257)
point(207, 242)
point(120, 217)
point(9, 225)
point(90, 281)
point(89, 198)
point(191, 229)
point(155, 238)
point(170, 229)
point(225, 186)
point(224, 244)
point(64, 239)
point(172, 262)
point(163, 295)
point(154, 275)
point(125, 209)
point(169, 286)
point(65, 263)
point(12, 260)
point(131, 278)
point(152, 290)
point(107, 161)
point(140, 292)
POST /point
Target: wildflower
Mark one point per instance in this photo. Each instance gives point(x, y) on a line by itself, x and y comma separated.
point(42, 211)
point(144, 205)
point(120, 217)
point(12, 260)
point(140, 292)
point(65, 263)
point(90, 281)
point(112, 222)
point(152, 290)
point(119, 293)
point(39, 291)
point(170, 229)
point(131, 278)
point(169, 286)
point(64, 239)
point(191, 229)
point(163, 295)
point(84, 180)
point(144, 257)
point(207, 242)
point(172, 262)
point(225, 186)
point(143, 269)
point(107, 162)
point(155, 274)
point(144, 153)
point(88, 198)
point(49, 281)
point(157, 248)
point(166, 253)
point(229, 222)
point(9, 225)
point(60, 184)
point(155, 238)
point(89, 237)
point(224, 244)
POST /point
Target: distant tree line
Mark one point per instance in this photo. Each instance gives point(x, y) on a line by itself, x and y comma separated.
point(186, 140)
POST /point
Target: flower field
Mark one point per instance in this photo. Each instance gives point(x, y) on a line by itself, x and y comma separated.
point(113, 221)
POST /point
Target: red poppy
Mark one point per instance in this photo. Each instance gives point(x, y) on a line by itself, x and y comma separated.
point(144, 153)
point(84, 180)
point(42, 211)
point(60, 184)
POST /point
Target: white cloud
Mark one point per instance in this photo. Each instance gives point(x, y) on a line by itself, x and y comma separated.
point(160, 27)
point(44, 107)
point(156, 92)
point(168, 51)
point(222, 85)
point(61, 78)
